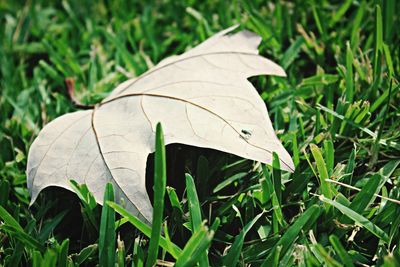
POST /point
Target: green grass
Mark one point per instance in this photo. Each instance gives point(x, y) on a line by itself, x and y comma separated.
point(337, 112)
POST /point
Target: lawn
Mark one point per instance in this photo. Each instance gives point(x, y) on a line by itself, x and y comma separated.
point(337, 114)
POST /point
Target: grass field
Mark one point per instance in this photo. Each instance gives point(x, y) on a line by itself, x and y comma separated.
point(337, 113)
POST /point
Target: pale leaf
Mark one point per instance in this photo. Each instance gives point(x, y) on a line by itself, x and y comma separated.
point(202, 98)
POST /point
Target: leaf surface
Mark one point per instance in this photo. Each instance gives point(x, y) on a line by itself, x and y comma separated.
point(202, 98)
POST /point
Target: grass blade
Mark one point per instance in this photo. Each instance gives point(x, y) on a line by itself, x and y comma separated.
point(173, 198)
point(276, 176)
point(195, 247)
point(25, 239)
point(146, 230)
point(277, 218)
point(85, 253)
point(107, 230)
point(367, 194)
point(341, 251)
point(306, 220)
point(232, 258)
point(324, 257)
point(160, 181)
point(195, 212)
point(329, 156)
point(88, 201)
point(349, 74)
point(12, 227)
point(63, 254)
point(229, 181)
point(322, 171)
point(9, 220)
point(358, 218)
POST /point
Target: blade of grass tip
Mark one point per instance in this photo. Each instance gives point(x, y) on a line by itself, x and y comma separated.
point(146, 230)
point(341, 251)
point(160, 180)
point(322, 171)
point(358, 218)
point(305, 221)
point(215, 225)
point(195, 212)
point(173, 198)
point(232, 257)
point(107, 230)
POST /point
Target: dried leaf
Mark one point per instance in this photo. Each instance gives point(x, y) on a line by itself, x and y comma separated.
point(202, 98)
